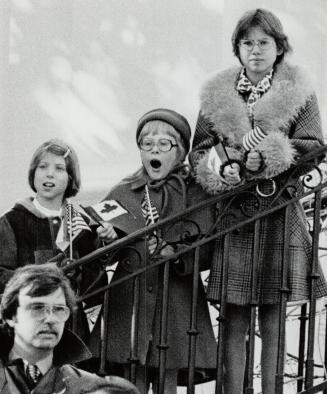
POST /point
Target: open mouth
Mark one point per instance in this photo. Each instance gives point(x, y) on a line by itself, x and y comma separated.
point(155, 164)
point(48, 184)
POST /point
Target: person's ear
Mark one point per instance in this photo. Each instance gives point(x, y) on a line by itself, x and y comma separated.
point(11, 322)
point(279, 51)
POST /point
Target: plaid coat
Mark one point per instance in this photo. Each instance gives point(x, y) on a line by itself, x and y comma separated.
point(289, 115)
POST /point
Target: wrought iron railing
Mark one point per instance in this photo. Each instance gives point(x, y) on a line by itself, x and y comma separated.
point(192, 240)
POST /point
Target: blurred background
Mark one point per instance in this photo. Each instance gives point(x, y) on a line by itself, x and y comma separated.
point(86, 70)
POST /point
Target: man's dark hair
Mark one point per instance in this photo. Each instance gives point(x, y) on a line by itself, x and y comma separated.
point(42, 280)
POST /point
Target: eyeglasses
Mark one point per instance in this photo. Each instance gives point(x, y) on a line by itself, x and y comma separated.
point(41, 311)
point(164, 145)
point(248, 45)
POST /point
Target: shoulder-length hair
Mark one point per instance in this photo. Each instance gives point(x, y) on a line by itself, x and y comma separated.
point(42, 280)
point(59, 148)
point(269, 23)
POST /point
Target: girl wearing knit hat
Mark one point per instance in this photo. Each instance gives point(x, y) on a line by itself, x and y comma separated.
point(266, 115)
point(155, 192)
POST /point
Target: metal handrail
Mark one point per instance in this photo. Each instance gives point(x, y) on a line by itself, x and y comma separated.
point(194, 244)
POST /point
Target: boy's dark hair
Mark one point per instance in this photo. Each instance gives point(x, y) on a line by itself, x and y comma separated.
point(42, 280)
point(60, 148)
point(269, 23)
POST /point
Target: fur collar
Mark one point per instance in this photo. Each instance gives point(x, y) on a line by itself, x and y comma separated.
point(275, 110)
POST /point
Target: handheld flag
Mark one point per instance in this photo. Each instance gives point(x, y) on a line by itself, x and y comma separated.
point(105, 211)
point(72, 226)
point(149, 211)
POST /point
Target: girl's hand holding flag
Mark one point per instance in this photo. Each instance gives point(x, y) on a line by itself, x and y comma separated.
point(106, 232)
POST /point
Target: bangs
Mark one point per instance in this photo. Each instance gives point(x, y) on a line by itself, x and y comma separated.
point(56, 149)
point(156, 127)
point(256, 22)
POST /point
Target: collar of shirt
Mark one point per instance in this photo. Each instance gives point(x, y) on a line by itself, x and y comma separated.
point(44, 364)
point(47, 212)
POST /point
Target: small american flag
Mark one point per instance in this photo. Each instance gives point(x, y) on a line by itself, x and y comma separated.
point(149, 211)
point(75, 220)
point(66, 236)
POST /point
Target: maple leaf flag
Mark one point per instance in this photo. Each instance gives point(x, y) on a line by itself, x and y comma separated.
point(105, 210)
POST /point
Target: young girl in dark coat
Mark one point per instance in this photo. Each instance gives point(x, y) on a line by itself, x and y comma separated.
point(163, 138)
point(29, 232)
point(267, 115)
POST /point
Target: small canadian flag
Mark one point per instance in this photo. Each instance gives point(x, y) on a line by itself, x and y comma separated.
point(105, 210)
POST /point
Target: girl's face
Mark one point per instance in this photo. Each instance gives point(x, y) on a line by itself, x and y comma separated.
point(258, 52)
point(158, 164)
point(51, 180)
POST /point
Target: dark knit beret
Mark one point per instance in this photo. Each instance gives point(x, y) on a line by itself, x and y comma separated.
point(179, 123)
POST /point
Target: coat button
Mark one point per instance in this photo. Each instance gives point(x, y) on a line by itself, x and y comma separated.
point(55, 221)
point(150, 288)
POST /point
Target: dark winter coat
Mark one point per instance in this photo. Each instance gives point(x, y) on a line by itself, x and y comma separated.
point(29, 237)
point(62, 377)
point(69, 350)
point(168, 201)
point(288, 113)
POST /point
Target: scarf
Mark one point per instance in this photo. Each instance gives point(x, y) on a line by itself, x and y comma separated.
point(245, 86)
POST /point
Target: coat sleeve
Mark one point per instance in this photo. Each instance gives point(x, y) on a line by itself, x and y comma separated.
point(280, 151)
point(8, 252)
point(306, 135)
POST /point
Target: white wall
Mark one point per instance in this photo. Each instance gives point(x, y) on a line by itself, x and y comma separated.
point(86, 70)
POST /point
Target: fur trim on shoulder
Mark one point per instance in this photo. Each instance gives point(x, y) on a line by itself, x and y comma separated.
point(223, 107)
point(226, 110)
point(210, 181)
point(278, 154)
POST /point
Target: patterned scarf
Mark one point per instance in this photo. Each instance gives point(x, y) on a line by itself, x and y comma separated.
point(245, 86)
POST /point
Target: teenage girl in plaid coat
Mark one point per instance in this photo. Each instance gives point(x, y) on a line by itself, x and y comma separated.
point(277, 101)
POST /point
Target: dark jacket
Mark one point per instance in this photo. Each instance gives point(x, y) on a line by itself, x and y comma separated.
point(168, 200)
point(69, 350)
point(62, 377)
point(29, 237)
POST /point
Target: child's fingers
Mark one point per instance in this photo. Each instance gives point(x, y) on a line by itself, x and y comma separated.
point(106, 233)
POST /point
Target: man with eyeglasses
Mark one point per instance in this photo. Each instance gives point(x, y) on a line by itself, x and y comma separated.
point(36, 350)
